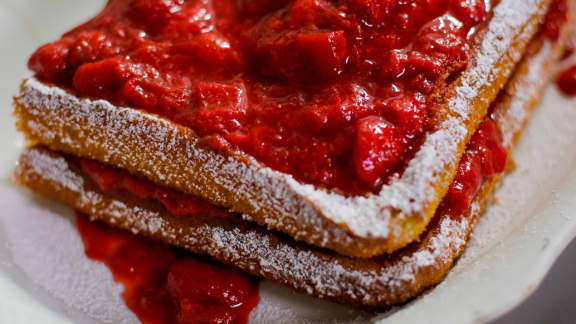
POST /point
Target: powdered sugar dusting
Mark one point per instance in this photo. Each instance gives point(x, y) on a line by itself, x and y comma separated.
point(303, 211)
point(51, 257)
point(537, 73)
point(379, 281)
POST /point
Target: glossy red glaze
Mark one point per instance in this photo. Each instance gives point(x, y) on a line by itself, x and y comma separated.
point(566, 81)
point(179, 204)
point(163, 285)
point(378, 147)
point(288, 82)
point(485, 157)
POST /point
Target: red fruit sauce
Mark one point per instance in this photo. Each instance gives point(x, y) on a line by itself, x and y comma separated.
point(566, 81)
point(163, 285)
point(304, 86)
point(180, 204)
point(485, 157)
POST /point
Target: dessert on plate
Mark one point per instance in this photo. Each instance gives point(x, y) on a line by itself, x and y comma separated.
point(344, 149)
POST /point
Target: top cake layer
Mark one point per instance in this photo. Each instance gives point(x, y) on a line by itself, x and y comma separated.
point(339, 94)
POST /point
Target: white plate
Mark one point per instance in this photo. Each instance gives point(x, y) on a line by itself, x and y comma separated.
point(45, 278)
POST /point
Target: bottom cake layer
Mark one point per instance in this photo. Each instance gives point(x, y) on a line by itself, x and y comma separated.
point(377, 282)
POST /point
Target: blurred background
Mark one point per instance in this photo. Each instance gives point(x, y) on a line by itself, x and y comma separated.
point(555, 300)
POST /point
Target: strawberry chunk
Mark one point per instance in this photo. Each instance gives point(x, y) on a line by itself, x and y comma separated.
point(91, 46)
point(394, 64)
point(50, 61)
point(453, 46)
point(101, 78)
point(466, 184)
point(131, 263)
point(109, 243)
point(319, 13)
point(377, 150)
point(182, 205)
point(471, 12)
point(374, 11)
point(155, 14)
point(142, 189)
point(485, 157)
point(323, 53)
point(206, 293)
point(499, 157)
point(494, 155)
point(430, 66)
point(107, 178)
point(408, 113)
point(260, 7)
point(445, 24)
point(209, 48)
point(152, 93)
point(195, 18)
point(221, 107)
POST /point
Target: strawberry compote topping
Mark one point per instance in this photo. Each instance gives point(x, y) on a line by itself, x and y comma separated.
point(109, 178)
point(335, 93)
point(566, 81)
point(485, 157)
point(164, 285)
